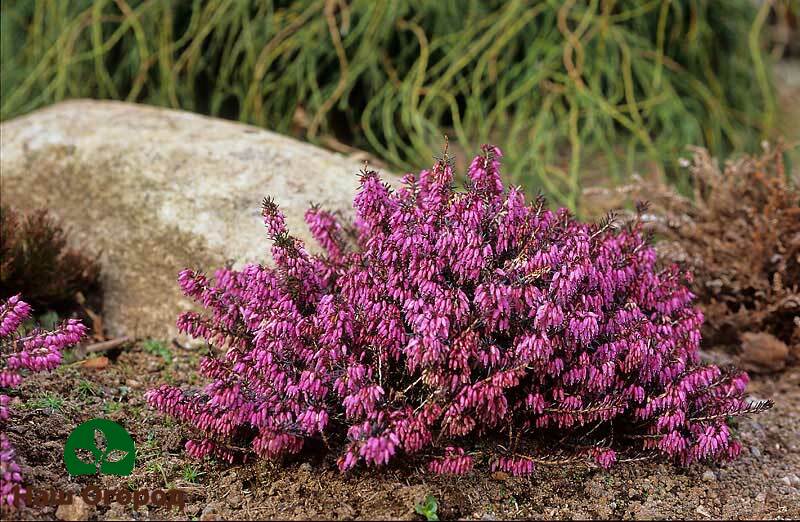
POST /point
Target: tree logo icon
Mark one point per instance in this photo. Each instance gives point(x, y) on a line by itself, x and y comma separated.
point(99, 445)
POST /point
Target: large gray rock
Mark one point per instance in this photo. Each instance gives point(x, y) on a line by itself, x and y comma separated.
point(156, 190)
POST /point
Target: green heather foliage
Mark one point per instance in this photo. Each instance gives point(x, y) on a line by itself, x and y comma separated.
point(612, 84)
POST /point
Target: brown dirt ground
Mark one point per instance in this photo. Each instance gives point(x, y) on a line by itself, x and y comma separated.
point(757, 486)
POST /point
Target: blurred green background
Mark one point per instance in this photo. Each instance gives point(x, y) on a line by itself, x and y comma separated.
point(573, 91)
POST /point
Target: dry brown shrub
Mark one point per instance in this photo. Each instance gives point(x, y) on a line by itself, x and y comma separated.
point(36, 262)
point(739, 234)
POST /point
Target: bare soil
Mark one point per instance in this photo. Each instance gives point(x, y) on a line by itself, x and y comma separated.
point(762, 483)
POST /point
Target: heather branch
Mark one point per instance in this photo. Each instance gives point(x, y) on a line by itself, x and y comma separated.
point(21, 355)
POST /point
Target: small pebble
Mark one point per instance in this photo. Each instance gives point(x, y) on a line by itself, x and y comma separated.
point(210, 512)
point(761, 497)
point(702, 511)
point(755, 451)
point(709, 476)
point(77, 510)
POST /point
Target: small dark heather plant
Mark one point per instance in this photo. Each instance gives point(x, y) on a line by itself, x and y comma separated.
point(22, 353)
point(455, 327)
point(36, 262)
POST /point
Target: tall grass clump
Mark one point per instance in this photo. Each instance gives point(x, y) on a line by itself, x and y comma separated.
point(614, 84)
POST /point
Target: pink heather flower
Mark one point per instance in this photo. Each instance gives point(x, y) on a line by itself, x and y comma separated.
point(441, 317)
point(454, 462)
point(12, 313)
point(516, 466)
point(605, 457)
point(4, 402)
point(9, 474)
point(22, 354)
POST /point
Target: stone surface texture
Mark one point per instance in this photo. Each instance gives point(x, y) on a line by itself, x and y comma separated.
point(153, 191)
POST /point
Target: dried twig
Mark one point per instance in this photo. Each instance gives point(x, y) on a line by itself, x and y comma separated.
point(106, 345)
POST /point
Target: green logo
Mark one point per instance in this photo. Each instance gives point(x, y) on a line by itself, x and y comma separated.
point(99, 445)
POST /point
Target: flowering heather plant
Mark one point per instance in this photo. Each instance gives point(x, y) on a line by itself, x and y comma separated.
point(36, 351)
point(443, 316)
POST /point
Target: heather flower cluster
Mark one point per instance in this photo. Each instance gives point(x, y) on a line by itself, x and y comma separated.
point(454, 327)
point(22, 353)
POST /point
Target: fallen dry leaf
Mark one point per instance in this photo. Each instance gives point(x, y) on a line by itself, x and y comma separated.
point(95, 363)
